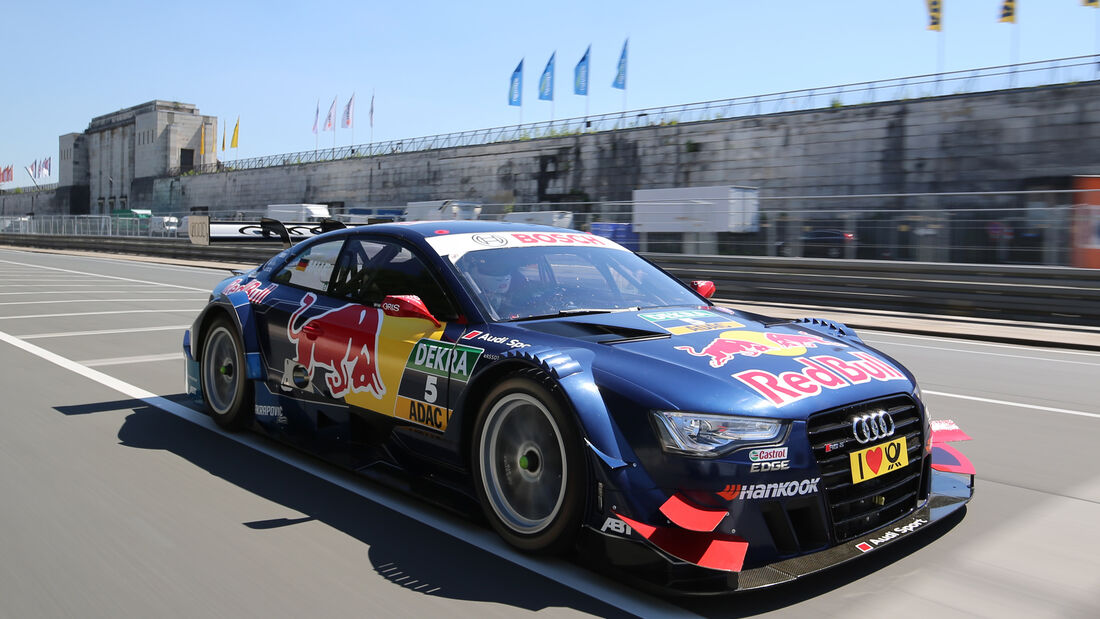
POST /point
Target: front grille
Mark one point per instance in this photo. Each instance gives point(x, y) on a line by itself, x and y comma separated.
point(855, 509)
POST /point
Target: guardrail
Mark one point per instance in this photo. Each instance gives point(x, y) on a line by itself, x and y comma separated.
point(1035, 293)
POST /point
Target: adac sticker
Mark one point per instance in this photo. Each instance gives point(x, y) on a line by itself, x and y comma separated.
point(682, 322)
point(434, 375)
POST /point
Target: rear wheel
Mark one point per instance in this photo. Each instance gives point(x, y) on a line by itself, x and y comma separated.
point(225, 389)
point(529, 467)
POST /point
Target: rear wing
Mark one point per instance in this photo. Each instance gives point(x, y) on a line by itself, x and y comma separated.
point(202, 231)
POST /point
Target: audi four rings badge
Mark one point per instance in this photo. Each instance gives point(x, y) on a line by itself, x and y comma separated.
point(872, 426)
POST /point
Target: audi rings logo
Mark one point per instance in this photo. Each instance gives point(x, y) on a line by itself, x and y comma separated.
point(490, 240)
point(872, 426)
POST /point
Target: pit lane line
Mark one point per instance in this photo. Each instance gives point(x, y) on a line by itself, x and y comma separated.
point(166, 311)
point(1051, 349)
point(1047, 409)
point(590, 584)
point(112, 277)
point(56, 301)
point(36, 336)
point(978, 352)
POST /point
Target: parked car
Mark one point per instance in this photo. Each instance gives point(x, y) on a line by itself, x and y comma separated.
point(821, 244)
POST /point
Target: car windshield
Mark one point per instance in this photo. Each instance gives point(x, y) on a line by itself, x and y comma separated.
point(518, 283)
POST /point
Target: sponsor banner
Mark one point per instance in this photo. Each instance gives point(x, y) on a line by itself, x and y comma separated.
point(818, 373)
point(739, 492)
point(434, 375)
point(443, 359)
point(487, 338)
point(252, 289)
point(456, 245)
point(879, 460)
point(874, 542)
point(423, 413)
point(348, 350)
point(730, 344)
point(683, 322)
point(769, 453)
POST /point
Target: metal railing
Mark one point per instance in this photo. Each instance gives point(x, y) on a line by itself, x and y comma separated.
point(1028, 227)
point(30, 189)
point(1023, 75)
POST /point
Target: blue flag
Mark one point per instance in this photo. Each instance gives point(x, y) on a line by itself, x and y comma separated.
point(515, 86)
point(620, 74)
point(546, 82)
point(580, 75)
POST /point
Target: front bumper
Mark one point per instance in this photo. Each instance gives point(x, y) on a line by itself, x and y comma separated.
point(646, 563)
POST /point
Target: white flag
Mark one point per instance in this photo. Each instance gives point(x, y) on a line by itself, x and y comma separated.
point(349, 112)
point(316, 116)
point(330, 120)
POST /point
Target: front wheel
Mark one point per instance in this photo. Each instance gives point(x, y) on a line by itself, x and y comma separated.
point(225, 388)
point(529, 467)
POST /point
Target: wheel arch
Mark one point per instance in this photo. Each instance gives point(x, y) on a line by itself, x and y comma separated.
point(238, 310)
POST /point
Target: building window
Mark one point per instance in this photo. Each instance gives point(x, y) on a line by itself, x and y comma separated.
point(187, 159)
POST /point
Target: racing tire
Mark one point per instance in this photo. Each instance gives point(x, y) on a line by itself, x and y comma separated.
point(226, 390)
point(529, 469)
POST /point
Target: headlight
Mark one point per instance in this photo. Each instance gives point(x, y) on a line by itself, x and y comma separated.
point(698, 434)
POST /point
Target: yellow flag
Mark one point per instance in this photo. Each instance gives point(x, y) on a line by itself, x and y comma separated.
point(1092, 3)
point(1008, 11)
point(236, 129)
point(935, 14)
point(202, 140)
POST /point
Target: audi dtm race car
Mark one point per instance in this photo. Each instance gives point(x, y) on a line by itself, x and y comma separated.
point(581, 399)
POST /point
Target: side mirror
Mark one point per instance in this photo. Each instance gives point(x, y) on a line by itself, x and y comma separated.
point(704, 287)
point(407, 306)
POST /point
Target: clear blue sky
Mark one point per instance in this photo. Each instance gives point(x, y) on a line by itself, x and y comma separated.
point(438, 67)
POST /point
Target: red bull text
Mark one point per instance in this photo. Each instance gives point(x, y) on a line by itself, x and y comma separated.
point(818, 373)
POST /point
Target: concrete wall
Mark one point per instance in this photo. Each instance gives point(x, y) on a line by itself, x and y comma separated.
point(1002, 141)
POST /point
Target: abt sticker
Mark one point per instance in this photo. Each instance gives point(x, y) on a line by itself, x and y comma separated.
point(614, 525)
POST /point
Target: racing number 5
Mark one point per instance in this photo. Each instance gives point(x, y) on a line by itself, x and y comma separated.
point(430, 389)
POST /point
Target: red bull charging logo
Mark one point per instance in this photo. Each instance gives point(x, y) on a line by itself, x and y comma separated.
point(343, 341)
point(753, 344)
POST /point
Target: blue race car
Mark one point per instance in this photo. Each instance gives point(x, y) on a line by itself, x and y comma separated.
point(581, 399)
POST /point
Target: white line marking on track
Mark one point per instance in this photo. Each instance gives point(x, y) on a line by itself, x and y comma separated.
point(37, 292)
point(971, 352)
point(167, 311)
point(56, 301)
point(1054, 349)
point(587, 583)
point(36, 336)
point(95, 363)
point(113, 277)
point(1047, 409)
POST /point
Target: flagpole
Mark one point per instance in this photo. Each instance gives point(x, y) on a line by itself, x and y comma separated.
point(371, 116)
point(335, 125)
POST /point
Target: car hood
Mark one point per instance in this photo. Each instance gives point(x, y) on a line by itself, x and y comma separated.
point(708, 359)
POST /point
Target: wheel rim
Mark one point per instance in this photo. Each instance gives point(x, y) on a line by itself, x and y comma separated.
point(221, 373)
point(523, 464)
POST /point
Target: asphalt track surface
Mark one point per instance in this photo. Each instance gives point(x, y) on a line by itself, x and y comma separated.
point(118, 500)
